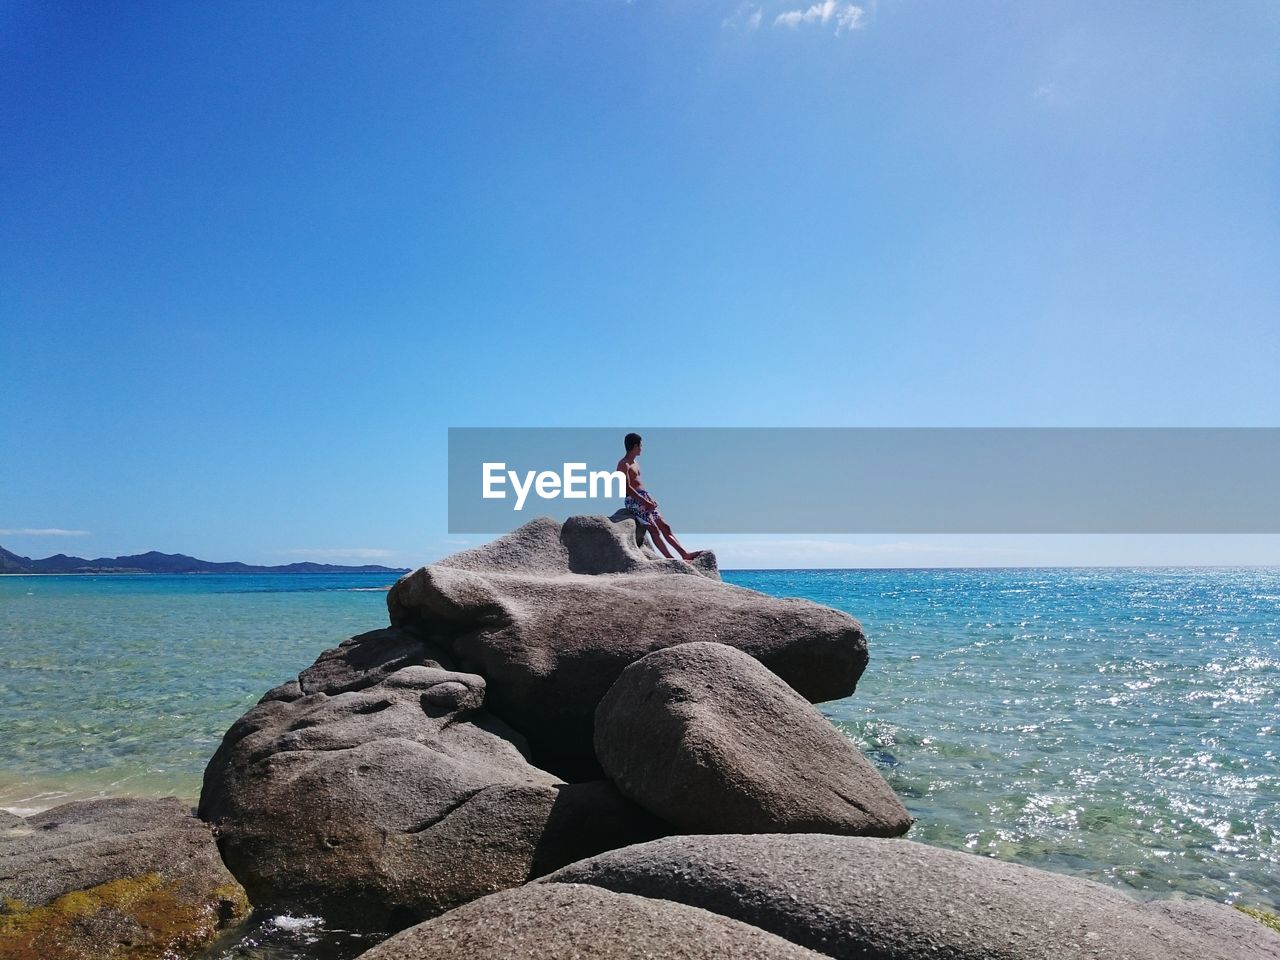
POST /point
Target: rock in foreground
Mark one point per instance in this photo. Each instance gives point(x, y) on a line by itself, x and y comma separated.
point(1221, 924)
point(857, 897)
point(112, 878)
point(569, 922)
point(551, 615)
point(705, 737)
point(379, 797)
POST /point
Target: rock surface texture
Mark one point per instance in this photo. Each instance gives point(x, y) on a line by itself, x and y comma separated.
point(1221, 924)
point(705, 737)
point(112, 878)
point(550, 615)
point(858, 897)
point(569, 922)
point(378, 792)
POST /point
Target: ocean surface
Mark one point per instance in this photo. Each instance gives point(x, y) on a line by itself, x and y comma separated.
point(1116, 724)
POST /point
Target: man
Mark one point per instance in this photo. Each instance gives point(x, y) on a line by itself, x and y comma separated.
point(644, 506)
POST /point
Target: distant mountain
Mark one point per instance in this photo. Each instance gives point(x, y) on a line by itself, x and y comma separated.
point(154, 562)
point(12, 563)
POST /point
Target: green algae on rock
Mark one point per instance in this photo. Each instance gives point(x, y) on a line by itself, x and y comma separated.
point(113, 880)
point(1264, 917)
point(133, 918)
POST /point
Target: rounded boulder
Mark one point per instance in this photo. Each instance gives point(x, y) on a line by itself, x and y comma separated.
point(571, 921)
point(707, 738)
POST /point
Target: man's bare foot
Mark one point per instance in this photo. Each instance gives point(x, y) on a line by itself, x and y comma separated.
point(693, 556)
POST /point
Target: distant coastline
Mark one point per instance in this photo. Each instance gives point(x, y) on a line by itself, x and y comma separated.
point(155, 562)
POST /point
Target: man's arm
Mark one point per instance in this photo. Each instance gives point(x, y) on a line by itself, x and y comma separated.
point(633, 487)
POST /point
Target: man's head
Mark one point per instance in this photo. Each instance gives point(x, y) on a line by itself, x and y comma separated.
point(632, 441)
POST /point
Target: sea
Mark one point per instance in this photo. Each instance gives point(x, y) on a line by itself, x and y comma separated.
point(1116, 724)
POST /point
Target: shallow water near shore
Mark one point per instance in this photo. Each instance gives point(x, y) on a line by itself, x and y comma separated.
point(1116, 724)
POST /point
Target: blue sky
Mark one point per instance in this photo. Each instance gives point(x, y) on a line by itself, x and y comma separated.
point(259, 257)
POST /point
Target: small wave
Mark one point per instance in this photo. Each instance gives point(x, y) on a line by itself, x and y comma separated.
point(295, 924)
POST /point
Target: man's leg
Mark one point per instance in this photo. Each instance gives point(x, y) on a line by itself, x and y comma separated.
point(652, 528)
point(671, 537)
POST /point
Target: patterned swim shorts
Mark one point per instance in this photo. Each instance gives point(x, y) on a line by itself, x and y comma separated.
point(643, 513)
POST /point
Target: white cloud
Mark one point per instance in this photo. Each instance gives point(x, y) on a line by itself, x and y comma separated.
point(43, 532)
point(845, 16)
point(747, 16)
point(343, 553)
point(1049, 94)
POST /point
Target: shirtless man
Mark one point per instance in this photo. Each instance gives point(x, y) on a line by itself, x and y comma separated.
point(644, 506)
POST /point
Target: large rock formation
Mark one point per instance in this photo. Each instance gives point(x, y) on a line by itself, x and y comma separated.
point(551, 615)
point(376, 791)
point(111, 878)
point(567, 922)
point(380, 787)
point(857, 897)
point(705, 737)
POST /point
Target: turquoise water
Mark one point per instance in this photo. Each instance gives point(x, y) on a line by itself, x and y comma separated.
point(126, 684)
point(1116, 724)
